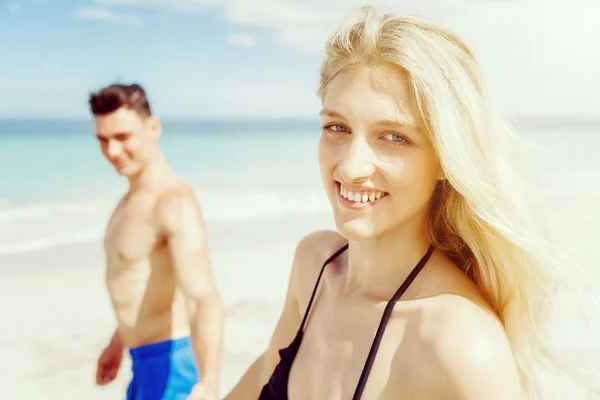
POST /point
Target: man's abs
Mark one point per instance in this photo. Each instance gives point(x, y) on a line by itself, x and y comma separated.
point(150, 329)
point(148, 306)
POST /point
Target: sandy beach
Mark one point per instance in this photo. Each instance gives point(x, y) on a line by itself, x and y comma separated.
point(57, 316)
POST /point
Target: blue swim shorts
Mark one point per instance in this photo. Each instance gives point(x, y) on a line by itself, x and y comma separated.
point(163, 371)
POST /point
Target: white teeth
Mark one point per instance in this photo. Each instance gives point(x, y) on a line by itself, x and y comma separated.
point(359, 197)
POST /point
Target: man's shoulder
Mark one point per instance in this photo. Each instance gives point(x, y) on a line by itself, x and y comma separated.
point(177, 205)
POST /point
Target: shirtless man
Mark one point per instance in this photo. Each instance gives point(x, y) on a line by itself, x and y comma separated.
point(158, 273)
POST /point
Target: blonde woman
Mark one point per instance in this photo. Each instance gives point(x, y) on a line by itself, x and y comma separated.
point(435, 284)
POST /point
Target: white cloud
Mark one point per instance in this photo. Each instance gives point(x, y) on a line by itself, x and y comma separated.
point(104, 14)
point(540, 56)
point(288, 19)
point(243, 39)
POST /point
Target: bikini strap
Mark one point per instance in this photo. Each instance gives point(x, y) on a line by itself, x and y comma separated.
point(312, 297)
point(383, 323)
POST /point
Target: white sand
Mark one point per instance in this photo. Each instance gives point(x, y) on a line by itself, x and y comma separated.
point(56, 322)
point(56, 315)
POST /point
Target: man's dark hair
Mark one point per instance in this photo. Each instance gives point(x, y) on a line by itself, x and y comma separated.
point(115, 96)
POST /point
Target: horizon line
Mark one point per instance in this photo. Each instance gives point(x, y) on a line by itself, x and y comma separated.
point(518, 120)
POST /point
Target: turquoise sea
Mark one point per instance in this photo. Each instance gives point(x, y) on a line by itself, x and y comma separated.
point(44, 160)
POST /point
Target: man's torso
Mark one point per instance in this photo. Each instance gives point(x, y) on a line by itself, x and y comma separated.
point(147, 302)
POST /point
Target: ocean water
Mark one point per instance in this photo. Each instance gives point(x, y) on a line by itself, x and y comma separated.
point(45, 161)
point(56, 188)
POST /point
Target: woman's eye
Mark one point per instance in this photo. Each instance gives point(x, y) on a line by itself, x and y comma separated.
point(397, 139)
point(335, 128)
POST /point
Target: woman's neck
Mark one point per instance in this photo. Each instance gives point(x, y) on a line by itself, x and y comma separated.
point(377, 267)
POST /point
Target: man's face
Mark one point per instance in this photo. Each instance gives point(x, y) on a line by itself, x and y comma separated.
point(126, 140)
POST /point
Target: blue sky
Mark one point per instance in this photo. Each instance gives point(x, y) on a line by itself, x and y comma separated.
point(260, 58)
point(56, 57)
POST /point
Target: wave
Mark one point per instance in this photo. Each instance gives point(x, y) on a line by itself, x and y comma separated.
point(11, 212)
point(27, 246)
point(27, 228)
point(216, 204)
point(38, 226)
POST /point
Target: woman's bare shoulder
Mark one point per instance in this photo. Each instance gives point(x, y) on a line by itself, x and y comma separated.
point(459, 348)
point(464, 348)
point(311, 252)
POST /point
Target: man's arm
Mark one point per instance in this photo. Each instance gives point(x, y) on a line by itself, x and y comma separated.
point(110, 360)
point(115, 340)
point(187, 243)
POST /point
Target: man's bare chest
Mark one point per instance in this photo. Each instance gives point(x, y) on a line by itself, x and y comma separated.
point(132, 235)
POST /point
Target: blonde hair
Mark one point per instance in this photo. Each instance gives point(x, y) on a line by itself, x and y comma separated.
point(480, 215)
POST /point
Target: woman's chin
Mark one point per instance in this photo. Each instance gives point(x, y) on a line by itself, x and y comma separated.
point(356, 229)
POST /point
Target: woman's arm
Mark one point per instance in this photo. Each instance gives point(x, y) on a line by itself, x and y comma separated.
point(310, 254)
point(258, 374)
point(251, 383)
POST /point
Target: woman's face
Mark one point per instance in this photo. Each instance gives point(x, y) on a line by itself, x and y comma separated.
point(379, 171)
